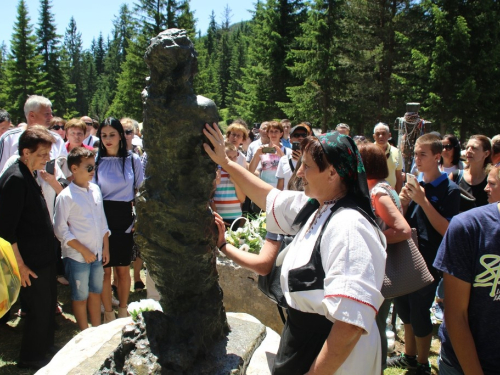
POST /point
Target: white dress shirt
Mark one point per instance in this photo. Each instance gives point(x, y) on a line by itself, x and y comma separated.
point(79, 214)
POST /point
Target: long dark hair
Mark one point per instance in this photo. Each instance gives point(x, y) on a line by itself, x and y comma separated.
point(122, 151)
point(456, 148)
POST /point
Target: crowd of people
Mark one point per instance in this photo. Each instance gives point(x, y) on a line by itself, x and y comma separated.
point(67, 192)
point(301, 179)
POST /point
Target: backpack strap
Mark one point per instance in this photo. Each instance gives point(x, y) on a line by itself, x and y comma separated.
point(291, 164)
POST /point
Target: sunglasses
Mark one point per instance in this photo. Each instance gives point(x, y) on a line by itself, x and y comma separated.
point(299, 135)
point(448, 147)
point(128, 132)
point(90, 168)
point(58, 127)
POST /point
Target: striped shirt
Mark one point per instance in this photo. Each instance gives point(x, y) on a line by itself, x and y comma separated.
point(226, 202)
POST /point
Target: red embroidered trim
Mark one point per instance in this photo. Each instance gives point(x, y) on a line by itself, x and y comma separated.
point(354, 299)
point(274, 215)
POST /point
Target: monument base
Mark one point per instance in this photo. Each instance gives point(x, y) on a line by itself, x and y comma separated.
point(249, 349)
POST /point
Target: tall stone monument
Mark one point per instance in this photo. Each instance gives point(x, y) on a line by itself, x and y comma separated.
point(174, 223)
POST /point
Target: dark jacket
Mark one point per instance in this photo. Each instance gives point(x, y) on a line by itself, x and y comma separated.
point(24, 218)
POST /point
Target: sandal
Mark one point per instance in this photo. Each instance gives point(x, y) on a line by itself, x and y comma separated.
point(139, 286)
point(62, 280)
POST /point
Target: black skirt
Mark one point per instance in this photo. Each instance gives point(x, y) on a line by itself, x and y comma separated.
point(120, 217)
point(302, 338)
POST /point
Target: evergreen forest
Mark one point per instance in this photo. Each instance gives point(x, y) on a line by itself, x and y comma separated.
point(322, 61)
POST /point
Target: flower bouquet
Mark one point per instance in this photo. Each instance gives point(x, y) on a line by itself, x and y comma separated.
point(250, 237)
point(136, 308)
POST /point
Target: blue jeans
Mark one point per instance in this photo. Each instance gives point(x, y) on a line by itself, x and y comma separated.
point(84, 278)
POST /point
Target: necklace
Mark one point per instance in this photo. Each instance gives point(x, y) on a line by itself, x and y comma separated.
point(321, 211)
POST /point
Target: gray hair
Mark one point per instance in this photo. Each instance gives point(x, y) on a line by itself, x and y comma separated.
point(34, 103)
point(381, 124)
point(495, 144)
point(4, 115)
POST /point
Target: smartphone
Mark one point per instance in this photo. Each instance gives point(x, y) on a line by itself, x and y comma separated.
point(49, 166)
point(295, 146)
point(268, 150)
point(412, 180)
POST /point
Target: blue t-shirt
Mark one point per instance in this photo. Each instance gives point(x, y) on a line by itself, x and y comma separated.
point(470, 251)
point(444, 195)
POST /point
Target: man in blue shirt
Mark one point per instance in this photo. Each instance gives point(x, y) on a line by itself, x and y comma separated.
point(428, 206)
point(469, 257)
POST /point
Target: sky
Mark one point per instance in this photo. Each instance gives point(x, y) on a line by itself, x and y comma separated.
point(94, 16)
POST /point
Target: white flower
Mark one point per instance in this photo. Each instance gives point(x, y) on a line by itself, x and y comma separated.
point(135, 308)
point(245, 247)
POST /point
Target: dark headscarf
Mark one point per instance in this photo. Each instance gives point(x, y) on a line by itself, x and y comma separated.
point(342, 153)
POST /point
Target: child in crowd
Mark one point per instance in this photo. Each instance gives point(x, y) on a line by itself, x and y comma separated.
point(228, 197)
point(80, 225)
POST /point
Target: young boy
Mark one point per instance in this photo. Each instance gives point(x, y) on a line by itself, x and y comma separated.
point(80, 225)
point(428, 207)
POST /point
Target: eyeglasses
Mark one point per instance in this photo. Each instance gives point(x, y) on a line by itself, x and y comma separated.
point(57, 127)
point(448, 147)
point(90, 168)
point(236, 135)
point(89, 123)
point(299, 135)
point(128, 132)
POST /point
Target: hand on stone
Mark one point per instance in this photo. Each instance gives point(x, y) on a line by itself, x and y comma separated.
point(222, 229)
point(214, 135)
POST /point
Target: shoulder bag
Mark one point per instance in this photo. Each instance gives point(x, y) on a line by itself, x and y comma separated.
point(405, 267)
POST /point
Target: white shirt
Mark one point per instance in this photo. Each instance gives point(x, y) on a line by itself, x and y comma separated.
point(252, 149)
point(9, 143)
point(89, 141)
point(284, 171)
point(241, 160)
point(137, 141)
point(79, 214)
point(353, 259)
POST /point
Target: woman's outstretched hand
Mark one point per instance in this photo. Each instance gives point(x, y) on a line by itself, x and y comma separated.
point(214, 135)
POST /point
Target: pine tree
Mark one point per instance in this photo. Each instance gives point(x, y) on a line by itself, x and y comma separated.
point(320, 64)
point(239, 44)
point(463, 86)
point(73, 68)
point(223, 59)
point(131, 81)
point(49, 48)
point(185, 19)
point(274, 27)
point(98, 49)
point(23, 69)
point(3, 59)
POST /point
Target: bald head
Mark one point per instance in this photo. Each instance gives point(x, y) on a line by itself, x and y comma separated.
point(88, 121)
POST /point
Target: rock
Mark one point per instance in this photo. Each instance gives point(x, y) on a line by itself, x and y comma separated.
point(146, 349)
point(86, 352)
point(175, 230)
point(242, 294)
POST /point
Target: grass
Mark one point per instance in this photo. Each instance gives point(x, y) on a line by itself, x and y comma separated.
point(435, 346)
point(11, 334)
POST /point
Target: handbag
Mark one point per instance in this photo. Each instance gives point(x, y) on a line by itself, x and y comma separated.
point(405, 269)
point(270, 284)
point(10, 278)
